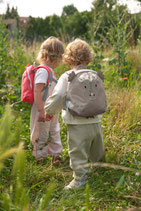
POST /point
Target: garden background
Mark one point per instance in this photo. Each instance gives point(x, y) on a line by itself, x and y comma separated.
point(115, 37)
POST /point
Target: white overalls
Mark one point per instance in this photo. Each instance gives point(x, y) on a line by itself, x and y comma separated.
point(45, 136)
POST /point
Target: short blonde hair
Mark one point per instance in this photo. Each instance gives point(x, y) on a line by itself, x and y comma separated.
point(51, 49)
point(78, 52)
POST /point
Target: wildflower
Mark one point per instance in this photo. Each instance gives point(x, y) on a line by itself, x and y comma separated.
point(125, 78)
point(137, 174)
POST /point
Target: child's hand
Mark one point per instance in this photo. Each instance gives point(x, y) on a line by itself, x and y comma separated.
point(48, 117)
point(42, 116)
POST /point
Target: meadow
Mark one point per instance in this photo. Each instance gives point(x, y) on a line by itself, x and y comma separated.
point(114, 184)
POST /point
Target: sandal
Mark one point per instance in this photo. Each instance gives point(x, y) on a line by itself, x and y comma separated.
point(56, 160)
point(40, 161)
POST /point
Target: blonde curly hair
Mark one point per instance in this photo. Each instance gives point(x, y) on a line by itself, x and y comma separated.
point(78, 52)
point(51, 49)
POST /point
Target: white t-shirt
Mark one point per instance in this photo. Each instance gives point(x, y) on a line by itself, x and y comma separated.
point(41, 76)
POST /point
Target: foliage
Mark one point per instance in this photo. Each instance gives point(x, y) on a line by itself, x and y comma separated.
point(55, 25)
point(95, 44)
point(12, 65)
point(105, 16)
point(11, 13)
point(39, 28)
point(16, 197)
point(3, 54)
point(117, 31)
point(26, 185)
point(69, 10)
point(135, 27)
point(124, 112)
point(103, 11)
point(103, 30)
point(134, 55)
point(40, 187)
point(73, 23)
point(7, 138)
point(119, 35)
point(76, 25)
point(33, 28)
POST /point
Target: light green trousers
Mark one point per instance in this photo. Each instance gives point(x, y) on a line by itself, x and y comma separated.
point(85, 143)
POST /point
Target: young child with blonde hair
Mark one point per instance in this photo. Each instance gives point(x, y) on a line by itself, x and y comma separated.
point(85, 138)
point(45, 135)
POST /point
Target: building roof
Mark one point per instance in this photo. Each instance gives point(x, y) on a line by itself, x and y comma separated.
point(9, 21)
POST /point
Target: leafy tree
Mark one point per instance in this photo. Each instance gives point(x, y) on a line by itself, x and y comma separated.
point(14, 13)
point(76, 25)
point(55, 25)
point(11, 13)
point(39, 28)
point(30, 30)
point(104, 3)
point(7, 15)
point(69, 10)
point(103, 12)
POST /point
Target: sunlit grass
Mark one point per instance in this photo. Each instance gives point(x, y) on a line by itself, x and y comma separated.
point(42, 185)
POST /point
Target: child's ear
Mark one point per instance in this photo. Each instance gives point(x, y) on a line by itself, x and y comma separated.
point(85, 63)
point(69, 63)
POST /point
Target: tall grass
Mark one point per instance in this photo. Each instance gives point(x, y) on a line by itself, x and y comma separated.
point(123, 123)
point(135, 56)
point(24, 185)
point(16, 196)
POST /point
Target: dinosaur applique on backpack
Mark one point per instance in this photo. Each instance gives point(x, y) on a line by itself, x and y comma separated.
point(86, 94)
point(27, 86)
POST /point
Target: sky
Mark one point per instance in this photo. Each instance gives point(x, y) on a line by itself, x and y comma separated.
point(43, 8)
point(132, 5)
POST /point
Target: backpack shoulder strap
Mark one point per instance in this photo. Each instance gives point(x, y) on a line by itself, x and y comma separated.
point(49, 81)
point(50, 73)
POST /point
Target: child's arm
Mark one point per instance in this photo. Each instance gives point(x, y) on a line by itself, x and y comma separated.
point(39, 102)
point(55, 103)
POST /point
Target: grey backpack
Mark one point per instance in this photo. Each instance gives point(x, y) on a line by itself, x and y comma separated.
point(86, 94)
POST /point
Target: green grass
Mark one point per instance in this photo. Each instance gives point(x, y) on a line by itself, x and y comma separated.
point(109, 189)
point(42, 185)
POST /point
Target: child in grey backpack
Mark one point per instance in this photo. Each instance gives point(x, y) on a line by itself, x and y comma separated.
point(45, 135)
point(85, 137)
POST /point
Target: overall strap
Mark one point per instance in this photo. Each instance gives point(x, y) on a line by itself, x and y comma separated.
point(49, 81)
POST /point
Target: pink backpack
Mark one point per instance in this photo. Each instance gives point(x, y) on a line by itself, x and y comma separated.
point(27, 86)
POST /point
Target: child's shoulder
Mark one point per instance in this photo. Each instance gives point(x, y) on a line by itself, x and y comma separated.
point(41, 74)
point(69, 71)
point(41, 71)
point(66, 73)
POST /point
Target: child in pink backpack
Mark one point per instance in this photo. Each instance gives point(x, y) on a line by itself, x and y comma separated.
point(45, 135)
